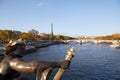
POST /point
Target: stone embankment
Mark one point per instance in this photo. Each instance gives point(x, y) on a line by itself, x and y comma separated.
point(34, 45)
point(31, 46)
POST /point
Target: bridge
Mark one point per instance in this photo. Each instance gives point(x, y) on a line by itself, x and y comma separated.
point(91, 40)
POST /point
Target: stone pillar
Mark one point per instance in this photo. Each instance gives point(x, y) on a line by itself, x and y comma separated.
point(80, 42)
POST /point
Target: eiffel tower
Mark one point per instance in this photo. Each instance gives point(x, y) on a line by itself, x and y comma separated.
point(52, 32)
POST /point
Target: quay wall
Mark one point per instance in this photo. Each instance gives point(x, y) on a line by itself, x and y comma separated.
point(32, 46)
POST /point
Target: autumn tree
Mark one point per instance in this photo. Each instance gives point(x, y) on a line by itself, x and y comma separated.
point(6, 35)
point(57, 37)
point(44, 36)
point(32, 34)
point(116, 36)
point(66, 37)
point(24, 35)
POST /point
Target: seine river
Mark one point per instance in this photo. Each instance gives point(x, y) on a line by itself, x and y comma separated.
point(91, 62)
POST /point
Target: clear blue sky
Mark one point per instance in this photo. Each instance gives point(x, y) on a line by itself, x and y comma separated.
point(69, 17)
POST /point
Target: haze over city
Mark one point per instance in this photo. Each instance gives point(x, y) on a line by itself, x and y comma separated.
point(69, 17)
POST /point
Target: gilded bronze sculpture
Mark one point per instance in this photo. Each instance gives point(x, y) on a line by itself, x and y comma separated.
point(12, 65)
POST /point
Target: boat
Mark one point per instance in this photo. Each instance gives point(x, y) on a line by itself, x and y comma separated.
point(117, 46)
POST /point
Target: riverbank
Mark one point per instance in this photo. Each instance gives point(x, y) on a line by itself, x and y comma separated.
point(32, 46)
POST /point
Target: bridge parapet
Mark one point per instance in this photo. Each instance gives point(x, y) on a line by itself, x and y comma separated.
point(91, 40)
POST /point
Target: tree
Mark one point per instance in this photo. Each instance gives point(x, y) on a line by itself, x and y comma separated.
point(24, 35)
point(6, 35)
point(32, 34)
point(57, 37)
point(66, 38)
point(44, 36)
point(116, 36)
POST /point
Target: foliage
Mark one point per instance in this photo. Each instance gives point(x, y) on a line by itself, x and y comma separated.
point(109, 37)
point(32, 34)
point(44, 36)
point(6, 35)
point(23, 35)
point(59, 37)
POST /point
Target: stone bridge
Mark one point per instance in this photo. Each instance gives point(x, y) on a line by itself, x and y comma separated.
point(91, 40)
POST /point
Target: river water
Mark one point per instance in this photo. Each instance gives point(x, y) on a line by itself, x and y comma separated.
point(91, 62)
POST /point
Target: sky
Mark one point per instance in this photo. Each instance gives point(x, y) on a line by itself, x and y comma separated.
point(69, 17)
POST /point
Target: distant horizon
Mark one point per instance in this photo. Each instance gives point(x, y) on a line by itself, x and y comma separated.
point(63, 34)
point(69, 17)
